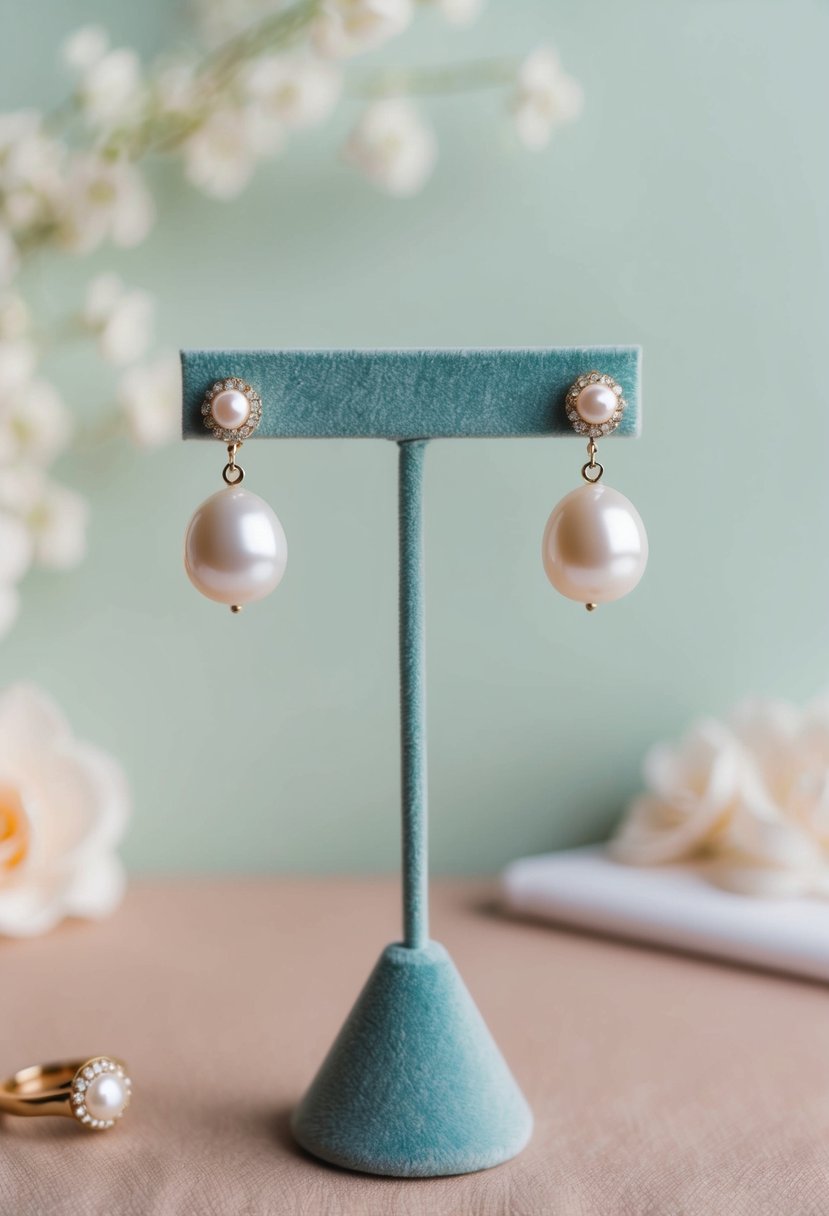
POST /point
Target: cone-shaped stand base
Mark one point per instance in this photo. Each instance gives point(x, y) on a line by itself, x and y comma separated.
point(414, 1086)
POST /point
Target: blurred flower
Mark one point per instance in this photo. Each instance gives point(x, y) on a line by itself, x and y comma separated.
point(393, 147)
point(16, 554)
point(460, 12)
point(105, 199)
point(150, 397)
point(221, 19)
point(21, 485)
point(15, 549)
point(14, 317)
point(85, 47)
point(9, 608)
point(110, 88)
point(348, 27)
point(31, 173)
point(176, 90)
point(35, 424)
point(298, 91)
point(9, 258)
point(218, 157)
point(545, 98)
point(120, 319)
point(749, 797)
point(64, 806)
point(17, 363)
point(69, 186)
point(58, 524)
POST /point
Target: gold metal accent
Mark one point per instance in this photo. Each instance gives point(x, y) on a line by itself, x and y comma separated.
point(592, 470)
point(235, 607)
point(47, 1089)
point(233, 474)
point(591, 607)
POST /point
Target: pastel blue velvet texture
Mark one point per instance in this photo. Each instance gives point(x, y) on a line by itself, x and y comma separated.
point(413, 767)
point(414, 1085)
point(409, 394)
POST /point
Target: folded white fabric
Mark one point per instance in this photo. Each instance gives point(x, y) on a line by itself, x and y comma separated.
point(670, 905)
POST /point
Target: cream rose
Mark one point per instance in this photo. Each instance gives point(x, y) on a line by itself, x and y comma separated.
point(64, 806)
point(748, 796)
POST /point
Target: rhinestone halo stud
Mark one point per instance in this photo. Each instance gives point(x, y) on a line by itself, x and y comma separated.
point(101, 1092)
point(232, 410)
point(595, 404)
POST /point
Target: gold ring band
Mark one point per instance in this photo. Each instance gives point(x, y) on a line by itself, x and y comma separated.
point(94, 1092)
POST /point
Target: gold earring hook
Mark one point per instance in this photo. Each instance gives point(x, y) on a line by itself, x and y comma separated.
point(233, 474)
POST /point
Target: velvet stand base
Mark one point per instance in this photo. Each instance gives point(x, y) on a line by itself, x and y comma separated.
point(414, 1085)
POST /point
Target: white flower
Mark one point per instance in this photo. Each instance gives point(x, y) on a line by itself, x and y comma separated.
point(86, 47)
point(9, 258)
point(748, 797)
point(760, 852)
point(110, 88)
point(347, 27)
point(15, 549)
point(21, 486)
point(692, 791)
point(393, 147)
point(31, 165)
point(121, 320)
point(298, 91)
point(218, 156)
point(17, 363)
point(9, 608)
point(176, 90)
point(64, 806)
point(28, 155)
point(57, 523)
point(104, 199)
point(545, 98)
point(40, 521)
point(14, 317)
point(31, 168)
point(150, 398)
point(221, 19)
point(460, 12)
point(35, 424)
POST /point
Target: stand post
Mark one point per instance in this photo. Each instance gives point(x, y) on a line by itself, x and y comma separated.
point(413, 758)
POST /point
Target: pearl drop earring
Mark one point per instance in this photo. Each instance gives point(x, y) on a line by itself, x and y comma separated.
point(595, 547)
point(235, 551)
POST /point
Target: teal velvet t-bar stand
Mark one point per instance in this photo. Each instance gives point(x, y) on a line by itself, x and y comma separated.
point(414, 1085)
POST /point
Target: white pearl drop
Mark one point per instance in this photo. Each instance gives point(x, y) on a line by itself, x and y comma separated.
point(595, 547)
point(106, 1096)
point(230, 409)
point(235, 550)
point(596, 403)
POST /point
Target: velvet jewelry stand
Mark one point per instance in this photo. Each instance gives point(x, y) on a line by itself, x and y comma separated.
point(414, 1085)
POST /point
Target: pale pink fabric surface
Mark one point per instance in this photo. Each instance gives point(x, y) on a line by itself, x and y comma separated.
point(661, 1085)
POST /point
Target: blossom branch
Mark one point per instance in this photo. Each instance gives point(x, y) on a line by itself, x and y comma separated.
point(71, 181)
point(473, 76)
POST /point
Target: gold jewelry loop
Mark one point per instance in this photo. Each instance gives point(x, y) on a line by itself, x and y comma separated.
point(592, 471)
point(233, 474)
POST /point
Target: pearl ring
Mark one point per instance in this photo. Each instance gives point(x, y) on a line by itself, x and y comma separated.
point(94, 1092)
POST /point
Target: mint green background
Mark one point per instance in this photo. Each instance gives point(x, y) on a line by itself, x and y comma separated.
point(689, 211)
